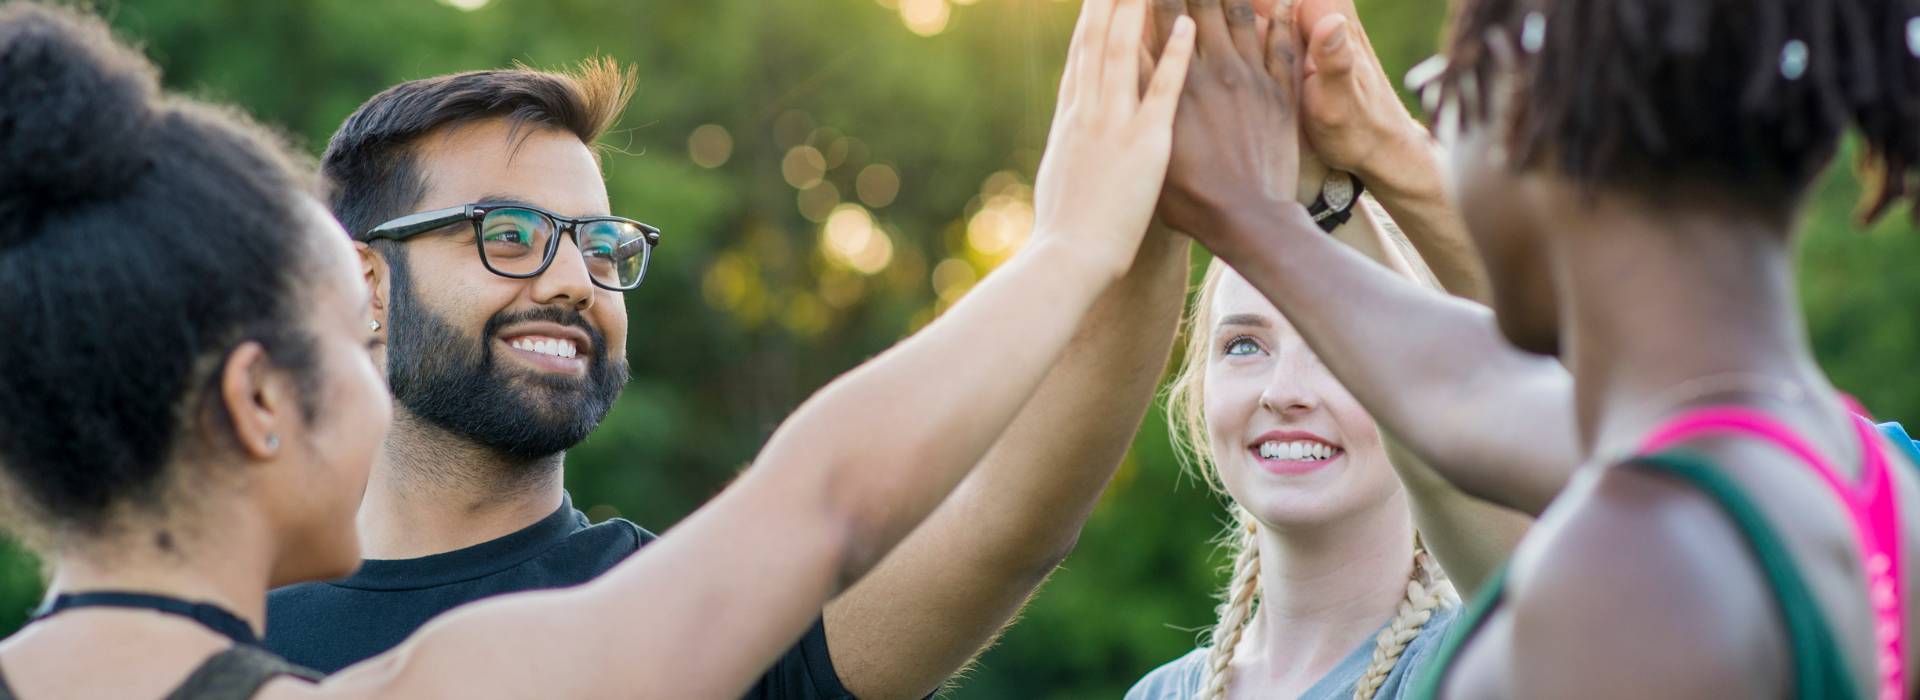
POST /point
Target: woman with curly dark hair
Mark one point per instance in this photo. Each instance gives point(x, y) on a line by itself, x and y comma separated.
point(1632, 173)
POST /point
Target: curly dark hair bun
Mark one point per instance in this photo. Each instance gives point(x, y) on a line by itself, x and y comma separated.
point(145, 236)
point(73, 113)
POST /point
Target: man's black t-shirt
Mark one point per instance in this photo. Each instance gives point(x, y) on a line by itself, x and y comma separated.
point(329, 626)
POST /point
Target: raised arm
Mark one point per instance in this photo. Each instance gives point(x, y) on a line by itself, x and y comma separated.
point(1434, 370)
point(702, 612)
point(950, 587)
point(1471, 537)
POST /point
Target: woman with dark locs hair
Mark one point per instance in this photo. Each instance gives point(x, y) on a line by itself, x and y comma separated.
point(189, 407)
point(1632, 173)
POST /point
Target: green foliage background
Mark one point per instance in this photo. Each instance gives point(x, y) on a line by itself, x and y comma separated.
point(744, 315)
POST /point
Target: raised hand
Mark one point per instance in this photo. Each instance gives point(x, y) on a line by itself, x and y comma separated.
point(1107, 153)
point(1236, 142)
point(1352, 118)
point(1351, 115)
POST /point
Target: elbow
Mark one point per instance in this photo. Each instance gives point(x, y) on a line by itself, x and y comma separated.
point(866, 515)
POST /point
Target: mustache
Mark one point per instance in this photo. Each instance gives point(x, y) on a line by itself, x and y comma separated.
point(547, 314)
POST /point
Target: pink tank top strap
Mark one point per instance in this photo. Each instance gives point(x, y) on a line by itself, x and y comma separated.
point(1872, 505)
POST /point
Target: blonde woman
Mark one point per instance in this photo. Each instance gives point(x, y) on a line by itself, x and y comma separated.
point(1332, 593)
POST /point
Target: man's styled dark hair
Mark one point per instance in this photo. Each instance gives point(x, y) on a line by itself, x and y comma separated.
point(142, 238)
point(373, 160)
point(1746, 96)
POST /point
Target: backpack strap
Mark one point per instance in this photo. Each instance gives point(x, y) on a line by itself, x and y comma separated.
point(236, 674)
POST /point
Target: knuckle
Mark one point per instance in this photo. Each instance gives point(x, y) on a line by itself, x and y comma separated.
point(1240, 12)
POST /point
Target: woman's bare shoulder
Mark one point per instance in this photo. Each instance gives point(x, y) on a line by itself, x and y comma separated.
point(1653, 585)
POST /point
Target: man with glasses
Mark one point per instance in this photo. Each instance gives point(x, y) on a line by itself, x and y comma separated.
point(499, 278)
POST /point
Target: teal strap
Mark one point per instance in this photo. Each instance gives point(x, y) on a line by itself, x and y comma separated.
point(1819, 669)
point(1427, 682)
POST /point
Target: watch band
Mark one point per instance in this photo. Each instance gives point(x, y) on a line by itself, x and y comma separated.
point(1339, 194)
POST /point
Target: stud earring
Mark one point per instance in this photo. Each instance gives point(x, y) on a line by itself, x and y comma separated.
point(375, 325)
point(273, 442)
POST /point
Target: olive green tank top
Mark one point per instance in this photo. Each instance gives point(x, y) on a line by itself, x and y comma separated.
point(235, 674)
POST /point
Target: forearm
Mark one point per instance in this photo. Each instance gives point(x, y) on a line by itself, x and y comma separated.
point(1432, 369)
point(1470, 537)
point(660, 608)
point(900, 431)
point(1408, 184)
point(1043, 477)
point(979, 557)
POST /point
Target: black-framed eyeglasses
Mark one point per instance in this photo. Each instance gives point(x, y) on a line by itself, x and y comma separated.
point(616, 250)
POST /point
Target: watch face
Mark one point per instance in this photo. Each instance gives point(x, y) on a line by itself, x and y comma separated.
point(1337, 190)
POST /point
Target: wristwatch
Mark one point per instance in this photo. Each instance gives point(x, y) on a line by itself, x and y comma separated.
point(1338, 195)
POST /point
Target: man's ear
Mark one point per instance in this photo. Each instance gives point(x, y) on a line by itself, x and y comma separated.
point(375, 271)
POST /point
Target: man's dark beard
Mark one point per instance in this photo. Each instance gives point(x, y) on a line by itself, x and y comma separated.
point(452, 380)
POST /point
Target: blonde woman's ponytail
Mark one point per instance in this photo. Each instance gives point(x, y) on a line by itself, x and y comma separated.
point(1237, 603)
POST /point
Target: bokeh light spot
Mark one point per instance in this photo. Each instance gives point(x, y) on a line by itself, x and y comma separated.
point(817, 202)
point(851, 238)
point(710, 146)
point(952, 278)
point(803, 167)
point(805, 316)
point(1000, 227)
point(924, 17)
point(878, 185)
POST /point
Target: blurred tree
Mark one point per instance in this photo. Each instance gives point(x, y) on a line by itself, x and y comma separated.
point(830, 174)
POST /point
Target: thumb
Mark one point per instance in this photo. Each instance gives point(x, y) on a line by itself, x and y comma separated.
point(1332, 49)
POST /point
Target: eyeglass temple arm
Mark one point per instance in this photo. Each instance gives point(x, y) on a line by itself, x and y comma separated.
point(415, 224)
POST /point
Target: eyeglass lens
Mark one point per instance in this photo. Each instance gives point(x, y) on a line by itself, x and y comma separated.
point(516, 241)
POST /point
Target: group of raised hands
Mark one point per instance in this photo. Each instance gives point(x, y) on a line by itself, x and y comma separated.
point(1192, 108)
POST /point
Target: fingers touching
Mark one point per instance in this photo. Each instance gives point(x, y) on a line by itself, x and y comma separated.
point(1163, 94)
point(1283, 48)
point(1164, 14)
point(1109, 64)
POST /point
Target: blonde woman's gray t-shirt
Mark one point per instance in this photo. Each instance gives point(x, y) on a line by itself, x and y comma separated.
point(1180, 678)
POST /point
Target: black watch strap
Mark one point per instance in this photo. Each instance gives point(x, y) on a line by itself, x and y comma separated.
point(1331, 212)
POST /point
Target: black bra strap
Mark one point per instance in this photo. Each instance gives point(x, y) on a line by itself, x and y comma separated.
point(211, 616)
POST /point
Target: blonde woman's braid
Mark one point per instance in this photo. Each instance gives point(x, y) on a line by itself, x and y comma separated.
point(1236, 608)
point(1427, 590)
